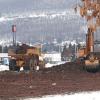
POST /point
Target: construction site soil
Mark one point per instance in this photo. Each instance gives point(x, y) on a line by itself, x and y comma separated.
point(66, 78)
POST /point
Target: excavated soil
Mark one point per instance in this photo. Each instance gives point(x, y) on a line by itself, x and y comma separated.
point(66, 78)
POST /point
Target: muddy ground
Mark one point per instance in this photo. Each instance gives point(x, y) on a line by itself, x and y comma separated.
point(61, 79)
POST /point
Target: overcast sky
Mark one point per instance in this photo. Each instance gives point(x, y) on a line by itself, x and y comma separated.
point(23, 5)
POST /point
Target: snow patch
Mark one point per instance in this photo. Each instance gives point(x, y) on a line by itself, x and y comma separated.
point(4, 67)
point(48, 65)
point(76, 96)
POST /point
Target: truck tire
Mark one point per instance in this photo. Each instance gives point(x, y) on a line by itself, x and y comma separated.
point(34, 62)
point(10, 68)
point(12, 64)
point(17, 68)
point(26, 68)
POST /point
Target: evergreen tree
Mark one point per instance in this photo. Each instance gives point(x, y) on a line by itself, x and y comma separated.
point(0, 49)
point(5, 49)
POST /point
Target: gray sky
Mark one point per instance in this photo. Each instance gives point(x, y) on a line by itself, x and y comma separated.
point(28, 5)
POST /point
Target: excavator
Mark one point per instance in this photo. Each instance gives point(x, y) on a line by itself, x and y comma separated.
point(90, 10)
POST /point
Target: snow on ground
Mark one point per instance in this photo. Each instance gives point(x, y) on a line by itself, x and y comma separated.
point(4, 67)
point(48, 65)
point(76, 96)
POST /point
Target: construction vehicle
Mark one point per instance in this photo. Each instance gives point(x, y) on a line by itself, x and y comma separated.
point(25, 56)
point(90, 9)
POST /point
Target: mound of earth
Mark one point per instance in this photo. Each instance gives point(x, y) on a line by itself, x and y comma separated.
point(66, 78)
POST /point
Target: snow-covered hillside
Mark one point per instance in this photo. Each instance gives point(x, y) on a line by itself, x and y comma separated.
point(68, 13)
point(40, 26)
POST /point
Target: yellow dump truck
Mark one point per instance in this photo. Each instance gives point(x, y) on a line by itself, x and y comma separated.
point(25, 56)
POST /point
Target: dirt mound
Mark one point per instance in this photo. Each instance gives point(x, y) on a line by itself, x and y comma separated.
point(66, 78)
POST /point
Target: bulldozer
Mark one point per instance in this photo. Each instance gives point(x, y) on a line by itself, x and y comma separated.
point(25, 56)
point(90, 10)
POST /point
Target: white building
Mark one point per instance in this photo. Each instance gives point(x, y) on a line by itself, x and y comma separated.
point(3, 55)
point(52, 57)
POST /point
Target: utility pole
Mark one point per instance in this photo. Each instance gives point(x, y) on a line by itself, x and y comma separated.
point(14, 34)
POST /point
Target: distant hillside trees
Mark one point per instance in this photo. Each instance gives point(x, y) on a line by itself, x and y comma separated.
point(3, 49)
point(68, 53)
point(0, 48)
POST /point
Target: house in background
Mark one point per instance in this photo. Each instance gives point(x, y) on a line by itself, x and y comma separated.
point(52, 57)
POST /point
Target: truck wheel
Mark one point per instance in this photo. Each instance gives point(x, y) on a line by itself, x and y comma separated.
point(12, 64)
point(17, 68)
point(26, 68)
point(10, 68)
